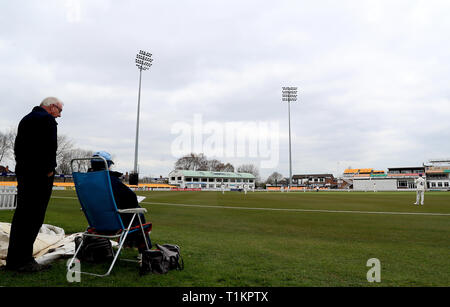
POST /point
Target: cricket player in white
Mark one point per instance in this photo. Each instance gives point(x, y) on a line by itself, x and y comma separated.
point(420, 190)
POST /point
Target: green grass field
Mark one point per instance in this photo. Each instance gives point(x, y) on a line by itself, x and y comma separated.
point(275, 239)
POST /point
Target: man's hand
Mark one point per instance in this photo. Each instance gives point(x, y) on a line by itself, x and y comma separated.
point(50, 174)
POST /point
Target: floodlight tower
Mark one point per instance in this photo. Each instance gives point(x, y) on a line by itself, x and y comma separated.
point(289, 94)
point(143, 62)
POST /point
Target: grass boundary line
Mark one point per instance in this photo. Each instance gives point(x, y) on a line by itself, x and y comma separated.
point(288, 209)
point(301, 210)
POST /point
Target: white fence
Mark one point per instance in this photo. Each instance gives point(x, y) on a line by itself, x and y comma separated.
point(8, 198)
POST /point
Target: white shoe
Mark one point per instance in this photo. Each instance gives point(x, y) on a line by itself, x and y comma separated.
point(415, 204)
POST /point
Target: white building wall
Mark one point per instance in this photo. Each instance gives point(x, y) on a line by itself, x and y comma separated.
point(214, 184)
point(176, 182)
point(380, 184)
point(438, 184)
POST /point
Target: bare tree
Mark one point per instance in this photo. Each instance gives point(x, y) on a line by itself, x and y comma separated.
point(63, 154)
point(3, 146)
point(64, 145)
point(227, 168)
point(66, 152)
point(81, 165)
point(214, 165)
point(274, 177)
point(7, 144)
point(199, 162)
point(65, 160)
point(251, 169)
point(192, 162)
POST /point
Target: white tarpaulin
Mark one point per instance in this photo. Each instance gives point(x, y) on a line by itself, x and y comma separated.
point(51, 243)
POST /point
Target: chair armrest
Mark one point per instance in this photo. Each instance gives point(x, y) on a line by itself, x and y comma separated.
point(132, 210)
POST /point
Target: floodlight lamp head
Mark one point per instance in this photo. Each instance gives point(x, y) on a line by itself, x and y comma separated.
point(289, 93)
point(143, 60)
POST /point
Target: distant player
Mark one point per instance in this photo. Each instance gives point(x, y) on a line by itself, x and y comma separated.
point(420, 190)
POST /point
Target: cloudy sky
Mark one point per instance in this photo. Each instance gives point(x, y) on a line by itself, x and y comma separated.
point(373, 79)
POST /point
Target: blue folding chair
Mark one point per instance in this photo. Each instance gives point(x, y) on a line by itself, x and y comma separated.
point(96, 197)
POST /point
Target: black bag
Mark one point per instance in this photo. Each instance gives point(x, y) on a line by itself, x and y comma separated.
point(172, 255)
point(165, 258)
point(153, 262)
point(94, 249)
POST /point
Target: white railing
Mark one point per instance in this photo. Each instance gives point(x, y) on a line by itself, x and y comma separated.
point(8, 198)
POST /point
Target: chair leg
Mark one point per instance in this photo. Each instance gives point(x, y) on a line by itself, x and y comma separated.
point(74, 257)
point(117, 254)
point(121, 243)
point(110, 267)
point(122, 239)
point(143, 232)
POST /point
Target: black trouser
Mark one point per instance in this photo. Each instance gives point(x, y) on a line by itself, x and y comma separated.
point(135, 239)
point(33, 195)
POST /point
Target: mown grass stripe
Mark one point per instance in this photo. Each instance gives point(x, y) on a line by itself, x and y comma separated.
point(301, 210)
point(289, 209)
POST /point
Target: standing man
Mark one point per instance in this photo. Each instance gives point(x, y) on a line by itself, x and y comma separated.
point(420, 190)
point(35, 152)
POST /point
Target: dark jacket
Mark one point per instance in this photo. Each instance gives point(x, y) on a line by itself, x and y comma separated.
point(36, 143)
point(125, 198)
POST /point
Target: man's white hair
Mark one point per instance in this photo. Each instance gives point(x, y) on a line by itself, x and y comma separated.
point(51, 101)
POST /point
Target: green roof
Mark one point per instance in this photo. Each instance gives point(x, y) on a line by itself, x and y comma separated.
point(208, 174)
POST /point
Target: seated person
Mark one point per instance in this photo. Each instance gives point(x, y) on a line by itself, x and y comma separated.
point(125, 198)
